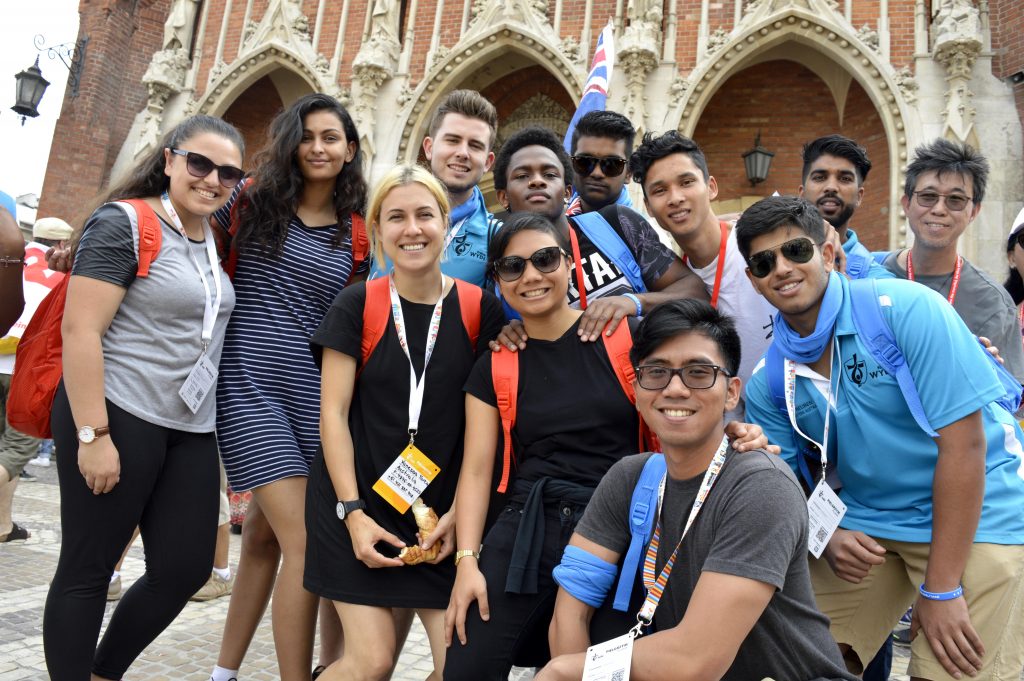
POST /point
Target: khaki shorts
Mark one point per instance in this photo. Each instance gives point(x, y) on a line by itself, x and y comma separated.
point(863, 615)
point(224, 512)
point(16, 449)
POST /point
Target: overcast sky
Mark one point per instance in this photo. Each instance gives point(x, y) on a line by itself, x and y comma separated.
point(26, 149)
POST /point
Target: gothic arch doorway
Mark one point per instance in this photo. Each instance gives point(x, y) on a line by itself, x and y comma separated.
point(256, 106)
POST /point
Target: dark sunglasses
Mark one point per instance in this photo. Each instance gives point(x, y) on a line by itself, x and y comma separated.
point(611, 166)
point(200, 166)
point(546, 260)
point(797, 251)
point(693, 376)
point(954, 202)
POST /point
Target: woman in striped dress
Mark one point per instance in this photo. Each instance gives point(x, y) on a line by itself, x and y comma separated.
point(293, 254)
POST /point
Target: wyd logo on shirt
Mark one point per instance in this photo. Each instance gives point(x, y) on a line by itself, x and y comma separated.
point(855, 370)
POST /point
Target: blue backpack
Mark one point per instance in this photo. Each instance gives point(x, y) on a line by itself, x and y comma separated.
point(643, 509)
point(607, 240)
point(877, 337)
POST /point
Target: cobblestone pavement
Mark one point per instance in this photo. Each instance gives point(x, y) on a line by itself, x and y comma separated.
point(188, 649)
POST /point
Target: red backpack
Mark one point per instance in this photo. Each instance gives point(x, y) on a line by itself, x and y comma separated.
point(38, 364)
point(505, 376)
point(377, 312)
point(229, 254)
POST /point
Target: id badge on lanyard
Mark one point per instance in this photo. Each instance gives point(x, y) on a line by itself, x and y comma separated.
point(409, 474)
point(824, 508)
point(202, 379)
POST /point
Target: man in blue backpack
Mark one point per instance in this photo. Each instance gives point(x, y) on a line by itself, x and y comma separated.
point(620, 267)
point(731, 601)
point(931, 506)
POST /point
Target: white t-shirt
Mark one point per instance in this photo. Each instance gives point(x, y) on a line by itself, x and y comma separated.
point(738, 299)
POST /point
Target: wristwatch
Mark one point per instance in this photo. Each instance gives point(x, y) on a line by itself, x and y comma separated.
point(465, 553)
point(87, 434)
point(346, 507)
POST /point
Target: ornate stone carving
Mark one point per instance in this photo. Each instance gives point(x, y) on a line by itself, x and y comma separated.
point(637, 64)
point(178, 27)
point(164, 77)
point(717, 40)
point(537, 110)
point(639, 51)
point(249, 32)
point(380, 52)
point(907, 84)
point(404, 96)
point(439, 54)
point(322, 65)
point(644, 11)
point(570, 47)
point(677, 90)
point(957, 40)
point(868, 36)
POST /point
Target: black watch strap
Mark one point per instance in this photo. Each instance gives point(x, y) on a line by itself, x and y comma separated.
point(350, 506)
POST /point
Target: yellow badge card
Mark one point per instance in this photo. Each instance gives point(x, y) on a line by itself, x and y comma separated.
point(406, 478)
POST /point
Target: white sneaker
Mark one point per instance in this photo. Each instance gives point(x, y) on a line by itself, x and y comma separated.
point(38, 461)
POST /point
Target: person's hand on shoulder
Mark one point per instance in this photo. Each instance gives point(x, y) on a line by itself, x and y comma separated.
point(512, 337)
point(604, 314)
point(746, 437)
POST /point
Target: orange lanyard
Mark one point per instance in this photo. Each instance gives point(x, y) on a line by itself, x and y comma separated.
point(720, 268)
point(956, 275)
point(580, 281)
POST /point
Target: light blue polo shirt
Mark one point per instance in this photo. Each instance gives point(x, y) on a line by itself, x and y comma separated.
point(886, 463)
point(466, 255)
point(869, 269)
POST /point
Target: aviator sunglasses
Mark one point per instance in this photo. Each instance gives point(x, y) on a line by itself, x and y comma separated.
point(546, 260)
point(954, 202)
point(611, 166)
point(796, 251)
point(198, 165)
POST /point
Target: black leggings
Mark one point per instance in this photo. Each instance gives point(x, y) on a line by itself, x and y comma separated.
point(168, 488)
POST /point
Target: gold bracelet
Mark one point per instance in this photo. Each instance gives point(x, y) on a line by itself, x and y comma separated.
point(465, 553)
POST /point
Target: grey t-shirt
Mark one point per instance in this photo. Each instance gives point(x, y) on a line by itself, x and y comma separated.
point(985, 306)
point(155, 337)
point(753, 525)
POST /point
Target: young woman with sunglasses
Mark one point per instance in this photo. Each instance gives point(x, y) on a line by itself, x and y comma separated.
point(370, 414)
point(573, 422)
point(134, 425)
point(292, 248)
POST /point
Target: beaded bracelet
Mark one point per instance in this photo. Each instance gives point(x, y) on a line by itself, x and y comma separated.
point(942, 595)
point(7, 261)
point(636, 301)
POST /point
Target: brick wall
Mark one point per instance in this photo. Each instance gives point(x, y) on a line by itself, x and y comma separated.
point(1007, 20)
point(725, 131)
point(252, 112)
point(92, 127)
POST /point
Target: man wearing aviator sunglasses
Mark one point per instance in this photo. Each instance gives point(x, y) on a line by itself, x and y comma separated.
point(930, 516)
point(945, 185)
point(601, 143)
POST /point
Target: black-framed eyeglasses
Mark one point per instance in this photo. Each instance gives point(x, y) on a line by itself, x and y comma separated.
point(954, 202)
point(797, 251)
point(693, 376)
point(611, 166)
point(546, 260)
point(198, 165)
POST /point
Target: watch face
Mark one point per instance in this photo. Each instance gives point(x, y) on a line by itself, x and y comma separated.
point(340, 510)
point(86, 434)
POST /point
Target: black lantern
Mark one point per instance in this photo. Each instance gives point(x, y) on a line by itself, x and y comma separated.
point(30, 86)
point(757, 161)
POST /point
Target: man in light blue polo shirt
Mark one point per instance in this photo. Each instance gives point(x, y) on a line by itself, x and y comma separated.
point(459, 147)
point(924, 516)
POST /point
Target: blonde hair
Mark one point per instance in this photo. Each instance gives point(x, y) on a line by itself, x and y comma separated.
point(400, 176)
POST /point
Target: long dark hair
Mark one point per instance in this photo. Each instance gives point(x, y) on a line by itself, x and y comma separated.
point(1014, 285)
point(148, 177)
point(268, 206)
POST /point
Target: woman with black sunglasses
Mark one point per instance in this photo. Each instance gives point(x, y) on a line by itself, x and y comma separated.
point(291, 230)
point(574, 420)
point(134, 417)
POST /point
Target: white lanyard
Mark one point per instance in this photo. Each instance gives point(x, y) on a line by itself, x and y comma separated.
point(452, 233)
point(212, 307)
point(656, 587)
point(416, 387)
point(790, 369)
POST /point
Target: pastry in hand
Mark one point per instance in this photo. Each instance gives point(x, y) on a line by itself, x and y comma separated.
point(426, 521)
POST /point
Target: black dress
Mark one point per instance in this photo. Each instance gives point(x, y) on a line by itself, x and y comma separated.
point(378, 421)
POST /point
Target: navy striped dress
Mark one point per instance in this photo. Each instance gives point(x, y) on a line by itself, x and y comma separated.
point(268, 392)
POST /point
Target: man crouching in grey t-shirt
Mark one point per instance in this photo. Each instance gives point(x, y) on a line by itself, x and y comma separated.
point(737, 600)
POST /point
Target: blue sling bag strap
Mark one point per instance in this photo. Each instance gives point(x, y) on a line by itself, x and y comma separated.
point(857, 265)
point(643, 508)
point(607, 240)
point(880, 256)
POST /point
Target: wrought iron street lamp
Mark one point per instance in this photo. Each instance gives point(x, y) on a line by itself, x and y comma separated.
point(30, 84)
point(757, 162)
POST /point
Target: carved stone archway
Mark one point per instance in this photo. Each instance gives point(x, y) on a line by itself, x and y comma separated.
point(245, 71)
point(798, 30)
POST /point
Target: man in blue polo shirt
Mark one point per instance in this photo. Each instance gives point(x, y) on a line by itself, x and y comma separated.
point(934, 522)
point(459, 146)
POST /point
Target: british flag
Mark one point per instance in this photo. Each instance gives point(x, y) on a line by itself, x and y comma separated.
point(595, 93)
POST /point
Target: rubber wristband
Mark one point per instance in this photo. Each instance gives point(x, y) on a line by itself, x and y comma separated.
point(942, 595)
point(636, 301)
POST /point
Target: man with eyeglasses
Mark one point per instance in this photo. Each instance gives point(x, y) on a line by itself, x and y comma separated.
point(600, 148)
point(933, 518)
point(942, 196)
point(736, 603)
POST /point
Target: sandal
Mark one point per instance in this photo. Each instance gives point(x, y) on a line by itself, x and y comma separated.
point(17, 533)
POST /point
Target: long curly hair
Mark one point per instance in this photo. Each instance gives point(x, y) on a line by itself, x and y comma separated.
point(270, 202)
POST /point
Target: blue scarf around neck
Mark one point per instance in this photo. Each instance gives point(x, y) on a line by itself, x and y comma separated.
point(808, 349)
point(475, 203)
